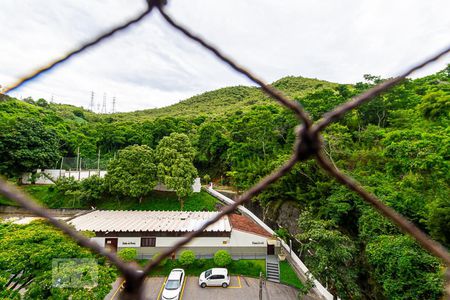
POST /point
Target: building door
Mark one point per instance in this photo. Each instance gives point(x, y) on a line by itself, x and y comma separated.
point(111, 243)
point(270, 249)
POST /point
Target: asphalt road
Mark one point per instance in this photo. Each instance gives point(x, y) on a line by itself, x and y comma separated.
point(240, 288)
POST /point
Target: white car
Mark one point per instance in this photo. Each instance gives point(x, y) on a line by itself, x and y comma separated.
point(214, 277)
point(173, 285)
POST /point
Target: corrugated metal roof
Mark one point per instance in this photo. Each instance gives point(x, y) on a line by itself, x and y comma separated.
point(158, 221)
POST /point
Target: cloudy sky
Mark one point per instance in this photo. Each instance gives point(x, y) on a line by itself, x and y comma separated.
point(151, 65)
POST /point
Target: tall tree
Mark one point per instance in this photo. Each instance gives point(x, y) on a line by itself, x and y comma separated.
point(26, 145)
point(175, 168)
point(26, 264)
point(133, 172)
point(403, 269)
point(329, 255)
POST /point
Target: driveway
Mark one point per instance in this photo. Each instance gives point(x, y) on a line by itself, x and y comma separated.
point(240, 288)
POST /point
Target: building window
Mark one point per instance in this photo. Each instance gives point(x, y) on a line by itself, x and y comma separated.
point(148, 242)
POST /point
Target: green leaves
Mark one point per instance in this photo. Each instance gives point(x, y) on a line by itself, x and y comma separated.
point(329, 255)
point(175, 164)
point(26, 257)
point(403, 269)
point(133, 172)
point(26, 145)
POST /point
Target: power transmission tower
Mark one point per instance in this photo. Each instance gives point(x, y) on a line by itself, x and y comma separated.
point(92, 105)
point(104, 104)
point(52, 99)
point(114, 104)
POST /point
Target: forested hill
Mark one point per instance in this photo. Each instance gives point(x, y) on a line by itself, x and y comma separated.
point(396, 146)
point(228, 99)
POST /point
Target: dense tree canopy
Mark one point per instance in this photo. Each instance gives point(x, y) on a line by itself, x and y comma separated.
point(26, 145)
point(133, 172)
point(175, 164)
point(396, 145)
point(26, 262)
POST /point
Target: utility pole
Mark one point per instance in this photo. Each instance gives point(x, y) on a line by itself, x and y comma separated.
point(260, 285)
point(60, 169)
point(78, 163)
point(98, 162)
point(92, 105)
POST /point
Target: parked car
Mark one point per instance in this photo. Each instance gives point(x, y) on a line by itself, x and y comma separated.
point(173, 285)
point(214, 277)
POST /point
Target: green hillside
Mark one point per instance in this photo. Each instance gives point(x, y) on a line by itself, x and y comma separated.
point(229, 99)
point(396, 146)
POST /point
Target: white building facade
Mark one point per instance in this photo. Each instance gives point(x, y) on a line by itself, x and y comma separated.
point(152, 232)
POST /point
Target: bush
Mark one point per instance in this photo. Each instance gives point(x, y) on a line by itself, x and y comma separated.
point(92, 190)
point(187, 257)
point(206, 179)
point(66, 184)
point(200, 263)
point(243, 265)
point(222, 258)
point(127, 254)
point(163, 262)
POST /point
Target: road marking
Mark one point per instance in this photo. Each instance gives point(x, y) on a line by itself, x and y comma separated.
point(182, 289)
point(118, 289)
point(161, 289)
point(230, 286)
point(237, 287)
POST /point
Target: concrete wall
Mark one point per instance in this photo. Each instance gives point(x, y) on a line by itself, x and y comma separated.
point(240, 245)
point(54, 174)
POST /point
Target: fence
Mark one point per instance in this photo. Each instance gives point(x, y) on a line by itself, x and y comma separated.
point(75, 163)
point(307, 145)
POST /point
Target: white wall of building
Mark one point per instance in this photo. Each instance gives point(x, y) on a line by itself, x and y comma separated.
point(237, 239)
point(196, 242)
point(131, 242)
point(246, 239)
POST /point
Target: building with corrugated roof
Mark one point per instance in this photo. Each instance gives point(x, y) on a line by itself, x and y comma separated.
point(151, 232)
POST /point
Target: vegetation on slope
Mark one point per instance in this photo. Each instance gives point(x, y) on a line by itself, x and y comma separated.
point(396, 146)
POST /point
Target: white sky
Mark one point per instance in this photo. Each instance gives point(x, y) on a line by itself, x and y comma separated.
point(151, 65)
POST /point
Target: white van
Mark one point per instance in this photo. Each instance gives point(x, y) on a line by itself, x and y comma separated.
point(214, 277)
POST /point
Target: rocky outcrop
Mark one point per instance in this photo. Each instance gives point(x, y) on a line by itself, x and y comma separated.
point(283, 214)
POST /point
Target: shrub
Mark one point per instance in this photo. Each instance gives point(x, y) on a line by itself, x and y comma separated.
point(92, 189)
point(206, 179)
point(222, 258)
point(66, 184)
point(163, 262)
point(200, 263)
point(187, 257)
point(127, 254)
point(242, 265)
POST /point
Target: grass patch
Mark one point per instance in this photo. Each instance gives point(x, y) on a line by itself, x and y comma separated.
point(48, 196)
point(288, 275)
point(41, 193)
point(245, 267)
